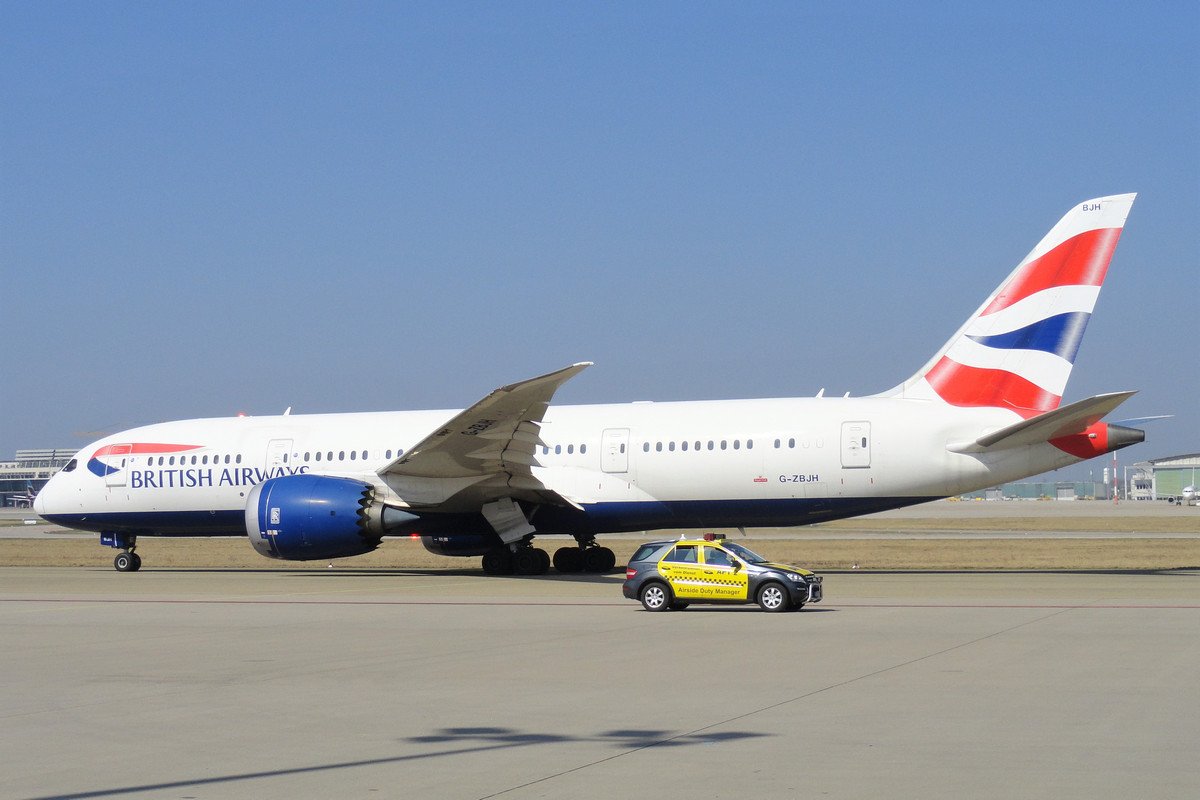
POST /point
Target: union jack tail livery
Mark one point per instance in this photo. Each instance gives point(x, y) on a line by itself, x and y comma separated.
point(1017, 350)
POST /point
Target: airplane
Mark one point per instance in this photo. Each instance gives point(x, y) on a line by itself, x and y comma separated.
point(24, 500)
point(485, 481)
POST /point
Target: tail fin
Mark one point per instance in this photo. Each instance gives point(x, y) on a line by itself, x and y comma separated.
point(1017, 350)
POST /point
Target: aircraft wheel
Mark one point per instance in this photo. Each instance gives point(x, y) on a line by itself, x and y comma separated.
point(610, 559)
point(595, 559)
point(655, 596)
point(124, 562)
point(526, 561)
point(568, 559)
point(773, 597)
point(543, 561)
point(137, 562)
point(498, 562)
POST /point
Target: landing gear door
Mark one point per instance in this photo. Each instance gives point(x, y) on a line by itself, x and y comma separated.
point(856, 445)
point(116, 465)
point(614, 450)
point(279, 453)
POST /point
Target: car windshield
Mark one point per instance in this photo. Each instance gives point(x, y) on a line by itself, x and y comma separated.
point(744, 553)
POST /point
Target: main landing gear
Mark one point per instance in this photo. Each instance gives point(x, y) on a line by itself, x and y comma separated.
point(127, 560)
point(524, 559)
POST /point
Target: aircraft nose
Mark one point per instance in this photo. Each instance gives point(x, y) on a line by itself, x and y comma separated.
point(40, 499)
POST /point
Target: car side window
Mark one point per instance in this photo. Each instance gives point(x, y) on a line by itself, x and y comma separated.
point(684, 553)
point(717, 557)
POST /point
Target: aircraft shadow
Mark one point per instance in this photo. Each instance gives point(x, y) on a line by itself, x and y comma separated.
point(455, 742)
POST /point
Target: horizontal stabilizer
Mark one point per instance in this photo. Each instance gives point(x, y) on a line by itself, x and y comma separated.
point(1065, 421)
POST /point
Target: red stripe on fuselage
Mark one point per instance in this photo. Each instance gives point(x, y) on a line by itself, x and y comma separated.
point(960, 385)
point(144, 447)
point(1079, 261)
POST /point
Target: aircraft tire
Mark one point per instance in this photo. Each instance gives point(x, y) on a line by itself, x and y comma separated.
point(596, 560)
point(610, 559)
point(526, 561)
point(137, 562)
point(498, 562)
point(124, 562)
point(543, 561)
point(568, 559)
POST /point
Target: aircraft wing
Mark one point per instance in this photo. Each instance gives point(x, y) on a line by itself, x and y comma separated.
point(1065, 421)
point(484, 453)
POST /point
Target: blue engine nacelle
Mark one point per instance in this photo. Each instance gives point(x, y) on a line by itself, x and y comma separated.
point(307, 517)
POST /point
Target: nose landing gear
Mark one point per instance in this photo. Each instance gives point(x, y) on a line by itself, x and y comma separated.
point(127, 560)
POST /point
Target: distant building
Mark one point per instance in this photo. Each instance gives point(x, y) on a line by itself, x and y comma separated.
point(1047, 490)
point(28, 472)
point(1164, 478)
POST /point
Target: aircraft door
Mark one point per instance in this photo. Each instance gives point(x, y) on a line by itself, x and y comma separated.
point(856, 445)
point(614, 450)
point(116, 465)
point(279, 453)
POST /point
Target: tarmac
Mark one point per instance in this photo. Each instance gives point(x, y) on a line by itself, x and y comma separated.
point(434, 684)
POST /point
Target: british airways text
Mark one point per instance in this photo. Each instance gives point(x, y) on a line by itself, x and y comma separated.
point(194, 478)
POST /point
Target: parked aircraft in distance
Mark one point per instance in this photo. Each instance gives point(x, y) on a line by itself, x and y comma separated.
point(984, 410)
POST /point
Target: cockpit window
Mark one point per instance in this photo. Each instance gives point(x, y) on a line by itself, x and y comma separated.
point(70, 465)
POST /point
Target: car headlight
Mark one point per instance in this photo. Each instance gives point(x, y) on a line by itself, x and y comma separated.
point(797, 577)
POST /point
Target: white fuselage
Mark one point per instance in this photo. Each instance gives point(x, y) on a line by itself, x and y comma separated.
point(626, 466)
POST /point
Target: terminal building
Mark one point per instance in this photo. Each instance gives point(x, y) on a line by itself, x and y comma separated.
point(25, 475)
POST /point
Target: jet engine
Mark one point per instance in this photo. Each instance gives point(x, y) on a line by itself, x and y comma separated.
point(308, 517)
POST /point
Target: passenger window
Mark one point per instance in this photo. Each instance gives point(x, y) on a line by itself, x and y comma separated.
point(683, 446)
point(658, 447)
point(387, 454)
point(172, 461)
point(307, 453)
point(237, 459)
point(791, 443)
point(697, 445)
point(570, 449)
point(710, 444)
point(737, 444)
point(723, 444)
point(318, 455)
point(645, 447)
point(749, 444)
point(671, 446)
point(776, 444)
point(583, 449)
point(353, 455)
point(558, 449)
point(682, 554)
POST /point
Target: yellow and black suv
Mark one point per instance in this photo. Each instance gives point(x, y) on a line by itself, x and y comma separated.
point(670, 575)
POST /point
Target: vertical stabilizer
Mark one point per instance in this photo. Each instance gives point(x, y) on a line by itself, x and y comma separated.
point(1017, 350)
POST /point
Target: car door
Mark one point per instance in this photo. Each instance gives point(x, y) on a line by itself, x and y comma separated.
point(682, 570)
point(724, 575)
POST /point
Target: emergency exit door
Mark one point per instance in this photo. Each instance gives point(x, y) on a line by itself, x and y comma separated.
point(614, 450)
point(856, 445)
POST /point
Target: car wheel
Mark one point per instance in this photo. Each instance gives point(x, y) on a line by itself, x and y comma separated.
point(655, 596)
point(773, 597)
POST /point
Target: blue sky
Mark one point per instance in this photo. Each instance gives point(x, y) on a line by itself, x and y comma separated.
point(209, 208)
